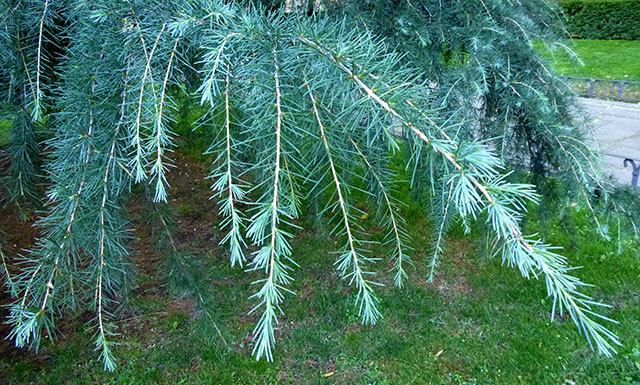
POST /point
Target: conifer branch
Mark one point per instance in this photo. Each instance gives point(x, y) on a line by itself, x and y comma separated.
point(23, 146)
point(269, 256)
point(28, 324)
point(210, 81)
point(235, 236)
point(7, 274)
point(26, 71)
point(161, 136)
point(505, 221)
point(352, 259)
point(139, 170)
point(400, 256)
point(101, 341)
point(72, 215)
point(225, 182)
point(437, 247)
point(37, 108)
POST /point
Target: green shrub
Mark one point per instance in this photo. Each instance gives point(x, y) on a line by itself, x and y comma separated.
point(603, 19)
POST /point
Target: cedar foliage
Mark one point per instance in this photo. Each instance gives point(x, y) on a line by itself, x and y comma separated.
point(307, 103)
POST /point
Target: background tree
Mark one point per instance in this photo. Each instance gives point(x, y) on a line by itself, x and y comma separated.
point(308, 104)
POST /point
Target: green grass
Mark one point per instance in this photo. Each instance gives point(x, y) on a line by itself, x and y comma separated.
point(5, 126)
point(480, 323)
point(604, 59)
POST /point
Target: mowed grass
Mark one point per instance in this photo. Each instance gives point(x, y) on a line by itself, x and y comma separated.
point(603, 59)
point(478, 323)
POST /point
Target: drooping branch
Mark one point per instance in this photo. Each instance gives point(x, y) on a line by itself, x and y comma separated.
point(139, 170)
point(86, 160)
point(351, 262)
point(234, 191)
point(437, 247)
point(161, 136)
point(101, 341)
point(36, 113)
point(7, 275)
point(269, 257)
point(400, 256)
point(528, 256)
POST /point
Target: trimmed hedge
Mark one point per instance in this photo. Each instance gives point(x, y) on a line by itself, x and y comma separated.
point(603, 19)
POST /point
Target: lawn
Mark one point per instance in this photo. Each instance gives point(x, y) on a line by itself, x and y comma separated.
point(478, 323)
point(604, 59)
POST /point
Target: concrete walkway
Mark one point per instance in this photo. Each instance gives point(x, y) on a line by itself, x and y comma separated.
point(617, 130)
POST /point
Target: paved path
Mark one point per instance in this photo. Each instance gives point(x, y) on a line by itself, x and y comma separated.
point(617, 130)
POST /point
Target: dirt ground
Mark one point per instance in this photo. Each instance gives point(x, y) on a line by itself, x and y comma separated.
point(195, 214)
